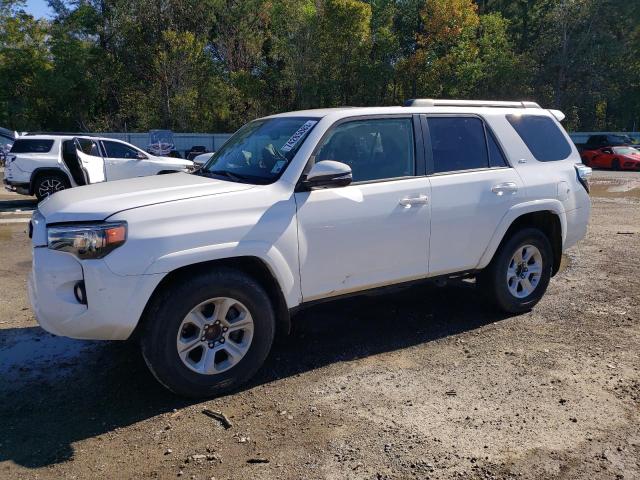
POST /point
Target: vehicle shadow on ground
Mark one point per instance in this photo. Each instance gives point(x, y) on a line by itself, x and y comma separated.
point(26, 204)
point(107, 385)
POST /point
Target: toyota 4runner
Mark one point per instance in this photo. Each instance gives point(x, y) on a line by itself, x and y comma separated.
point(206, 269)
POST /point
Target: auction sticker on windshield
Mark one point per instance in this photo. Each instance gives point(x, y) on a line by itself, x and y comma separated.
point(295, 138)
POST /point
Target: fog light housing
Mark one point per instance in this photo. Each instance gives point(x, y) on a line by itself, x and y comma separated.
point(80, 292)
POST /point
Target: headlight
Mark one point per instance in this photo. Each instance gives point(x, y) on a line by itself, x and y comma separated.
point(87, 241)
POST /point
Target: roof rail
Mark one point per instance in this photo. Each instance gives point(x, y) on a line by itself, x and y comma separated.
point(430, 102)
point(66, 134)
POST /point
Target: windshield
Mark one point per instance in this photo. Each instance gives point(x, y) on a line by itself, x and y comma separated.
point(261, 150)
point(626, 151)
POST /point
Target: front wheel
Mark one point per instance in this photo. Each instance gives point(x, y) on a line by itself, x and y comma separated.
point(210, 334)
point(518, 276)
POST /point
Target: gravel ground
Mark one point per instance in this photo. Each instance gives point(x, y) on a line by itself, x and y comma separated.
point(426, 382)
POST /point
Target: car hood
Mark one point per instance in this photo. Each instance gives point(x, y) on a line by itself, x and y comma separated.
point(101, 200)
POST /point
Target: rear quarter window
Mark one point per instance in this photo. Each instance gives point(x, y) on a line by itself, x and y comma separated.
point(542, 136)
point(32, 146)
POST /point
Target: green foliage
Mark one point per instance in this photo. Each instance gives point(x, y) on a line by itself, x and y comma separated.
point(211, 65)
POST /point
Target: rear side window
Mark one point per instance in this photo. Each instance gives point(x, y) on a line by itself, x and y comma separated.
point(496, 157)
point(31, 146)
point(90, 147)
point(458, 143)
point(542, 136)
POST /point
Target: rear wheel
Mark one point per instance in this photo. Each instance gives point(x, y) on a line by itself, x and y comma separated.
point(210, 334)
point(518, 276)
point(615, 165)
point(48, 184)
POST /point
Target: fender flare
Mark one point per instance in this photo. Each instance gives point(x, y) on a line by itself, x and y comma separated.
point(550, 205)
point(41, 170)
point(267, 253)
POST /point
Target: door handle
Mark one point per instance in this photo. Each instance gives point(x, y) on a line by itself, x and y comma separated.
point(502, 188)
point(419, 200)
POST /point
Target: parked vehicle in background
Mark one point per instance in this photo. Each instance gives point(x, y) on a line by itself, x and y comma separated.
point(606, 140)
point(41, 165)
point(194, 151)
point(203, 158)
point(615, 158)
point(303, 207)
point(7, 137)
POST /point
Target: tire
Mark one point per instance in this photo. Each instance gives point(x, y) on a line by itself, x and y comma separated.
point(49, 183)
point(503, 289)
point(167, 329)
point(615, 165)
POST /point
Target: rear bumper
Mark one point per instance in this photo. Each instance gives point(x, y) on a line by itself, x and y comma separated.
point(114, 302)
point(17, 187)
point(577, 222)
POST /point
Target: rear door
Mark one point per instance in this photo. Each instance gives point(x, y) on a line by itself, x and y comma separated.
point(90, 159)
point(472, 188)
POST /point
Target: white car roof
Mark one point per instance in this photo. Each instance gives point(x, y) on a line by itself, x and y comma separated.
point(460, 107)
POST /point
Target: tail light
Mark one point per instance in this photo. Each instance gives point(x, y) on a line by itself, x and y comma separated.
point(584, 174)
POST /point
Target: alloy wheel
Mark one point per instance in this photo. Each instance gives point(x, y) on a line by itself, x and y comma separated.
point(215, 335)
point(49, 186)
point(524, 271)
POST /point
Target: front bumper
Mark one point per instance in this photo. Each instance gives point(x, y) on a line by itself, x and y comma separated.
point(630, 165)
point(114, 302)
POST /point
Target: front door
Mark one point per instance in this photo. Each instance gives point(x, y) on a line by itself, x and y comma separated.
point(123, 161)
point(376, 231)
point(90, 160)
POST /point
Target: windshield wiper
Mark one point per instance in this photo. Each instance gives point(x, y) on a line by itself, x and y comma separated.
point(224, 173)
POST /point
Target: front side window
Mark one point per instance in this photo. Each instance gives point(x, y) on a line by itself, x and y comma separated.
point(119, 150)
point(261, 150)
point(542, 136)
point(32, 146)
point(375, 149)
point(458, 143)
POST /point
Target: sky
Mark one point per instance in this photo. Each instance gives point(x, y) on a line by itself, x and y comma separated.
point(38, 8)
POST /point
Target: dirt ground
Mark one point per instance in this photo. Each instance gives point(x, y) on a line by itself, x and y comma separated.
point(426, 382)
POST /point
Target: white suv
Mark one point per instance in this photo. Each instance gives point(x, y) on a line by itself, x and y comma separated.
point(41, 165)
point(301, 207)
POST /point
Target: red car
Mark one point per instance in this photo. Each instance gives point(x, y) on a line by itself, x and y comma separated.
point(616, 158)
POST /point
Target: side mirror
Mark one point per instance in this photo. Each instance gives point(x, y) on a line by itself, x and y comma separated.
point(328, 173)
point(141, 156)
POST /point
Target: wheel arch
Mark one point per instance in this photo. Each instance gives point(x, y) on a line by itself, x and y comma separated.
point(43, 171)
point(551, 221)
point(253, 266)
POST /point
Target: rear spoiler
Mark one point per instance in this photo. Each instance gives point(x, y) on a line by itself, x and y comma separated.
point(558, 114)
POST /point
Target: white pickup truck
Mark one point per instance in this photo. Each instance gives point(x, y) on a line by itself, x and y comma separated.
point(306, 206)
point(42, 165)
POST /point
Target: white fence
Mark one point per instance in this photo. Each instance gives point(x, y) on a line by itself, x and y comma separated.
point(183, 141)
point(213, 141)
